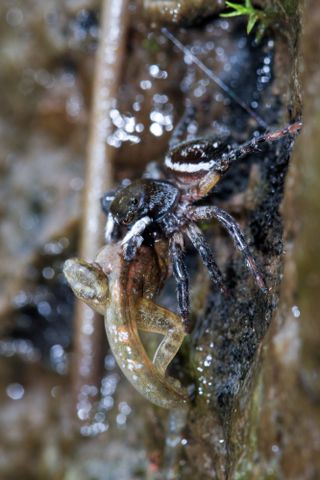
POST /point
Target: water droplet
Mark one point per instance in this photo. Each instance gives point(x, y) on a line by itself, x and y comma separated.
point(15, 391)
point(156, 129)
point(44, 308)
point(121, 419)
point(14, 17)
point(145, 84)
point(124, 408)
point(48, 273)
point(295, 311)
point(207, 361)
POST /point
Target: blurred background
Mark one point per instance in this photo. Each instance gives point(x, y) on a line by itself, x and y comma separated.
point(66, 411)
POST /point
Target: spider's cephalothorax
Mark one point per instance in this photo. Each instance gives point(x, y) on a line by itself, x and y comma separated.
point(164, 205)
point(145, 197)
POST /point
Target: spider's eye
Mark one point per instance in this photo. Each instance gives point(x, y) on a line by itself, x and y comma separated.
point(134, 201)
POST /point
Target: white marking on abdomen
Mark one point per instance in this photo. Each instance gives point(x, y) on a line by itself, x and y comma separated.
point(189, 167)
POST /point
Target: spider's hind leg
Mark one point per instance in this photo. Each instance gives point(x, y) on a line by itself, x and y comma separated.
point(254, 144)
point(234, 153)
point(206, 213)
point(199, 242)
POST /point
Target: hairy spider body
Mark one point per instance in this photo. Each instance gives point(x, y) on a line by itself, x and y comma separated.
point(164, 206)
point(189, 161)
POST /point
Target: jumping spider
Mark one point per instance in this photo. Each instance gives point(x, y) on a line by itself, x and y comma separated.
point(163, 204)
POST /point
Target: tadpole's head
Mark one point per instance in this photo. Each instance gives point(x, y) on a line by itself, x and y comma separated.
point(88, 282)
point(141, 198)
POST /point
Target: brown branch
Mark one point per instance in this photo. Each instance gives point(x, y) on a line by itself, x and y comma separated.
point(89, 334)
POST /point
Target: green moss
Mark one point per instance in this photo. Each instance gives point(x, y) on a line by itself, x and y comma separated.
point(247, 9)
point(269, 14)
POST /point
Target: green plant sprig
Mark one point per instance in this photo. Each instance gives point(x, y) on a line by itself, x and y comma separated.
point(254, 15)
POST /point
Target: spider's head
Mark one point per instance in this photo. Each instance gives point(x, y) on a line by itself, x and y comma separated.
point(146, 197)
point(129, 204)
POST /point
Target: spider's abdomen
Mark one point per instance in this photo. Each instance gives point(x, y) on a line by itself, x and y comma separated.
point(146, 197)
point(190, 161)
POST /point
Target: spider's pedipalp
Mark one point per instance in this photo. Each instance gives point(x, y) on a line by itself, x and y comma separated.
point(109, 228)
point(136, 229)
point(206, 213)
point(181, 276)
point(133, 239)
point(106, 201)
point(199, 242)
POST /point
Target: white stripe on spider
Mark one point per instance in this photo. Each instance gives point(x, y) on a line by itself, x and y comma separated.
point(189, 167)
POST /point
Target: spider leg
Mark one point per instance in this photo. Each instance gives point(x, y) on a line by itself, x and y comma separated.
point(181, 276)
point(199, 242)
point(236, 152)
point(206, 213)
point(181, 128)
point(254, 144)
point(133, 239)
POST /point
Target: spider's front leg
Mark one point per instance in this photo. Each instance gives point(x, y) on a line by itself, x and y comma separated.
point(180, 273)
point(133, 239)
point(206, 213)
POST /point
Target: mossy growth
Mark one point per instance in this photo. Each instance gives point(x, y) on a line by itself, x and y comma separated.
point(269, 14)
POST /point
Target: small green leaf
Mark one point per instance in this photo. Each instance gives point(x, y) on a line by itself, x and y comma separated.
point(251, 22)
point(237, 10)
point(237, 7)
point(254, 15)
point(231, 14)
